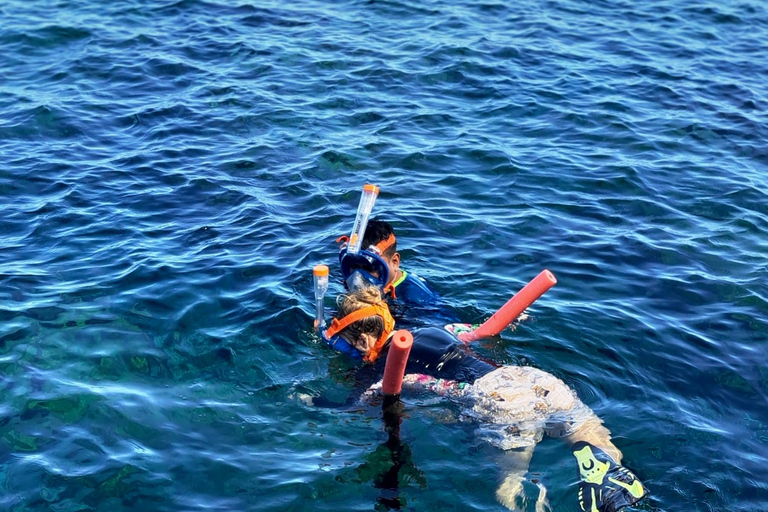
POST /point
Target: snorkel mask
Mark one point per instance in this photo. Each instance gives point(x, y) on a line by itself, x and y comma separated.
point(331, 335)
point(366, 268)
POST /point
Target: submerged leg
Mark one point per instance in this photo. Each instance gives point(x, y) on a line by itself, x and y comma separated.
point(515, 466)
point(595, 433)
point(604, 485)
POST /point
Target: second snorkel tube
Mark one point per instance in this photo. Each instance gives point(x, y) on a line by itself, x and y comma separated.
point(320, 276)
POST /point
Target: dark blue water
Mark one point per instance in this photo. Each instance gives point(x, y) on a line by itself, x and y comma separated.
point(172, 170)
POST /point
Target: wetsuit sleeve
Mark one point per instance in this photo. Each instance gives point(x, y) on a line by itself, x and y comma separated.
point(415, 291)
point(418, 304)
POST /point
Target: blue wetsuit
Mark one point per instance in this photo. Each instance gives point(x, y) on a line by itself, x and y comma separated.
point(415, 303)
point(414, 290)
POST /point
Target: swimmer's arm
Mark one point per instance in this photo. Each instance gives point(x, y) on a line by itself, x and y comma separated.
point(324, 402)
point(365, 377)
point(416, 383)
point(457, 328)
point(321, 401)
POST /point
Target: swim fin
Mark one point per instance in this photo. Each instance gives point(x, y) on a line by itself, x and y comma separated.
point(604, 486)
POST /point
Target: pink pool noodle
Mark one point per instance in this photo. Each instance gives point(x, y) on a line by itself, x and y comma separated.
point(512, 309)
point(399, 349)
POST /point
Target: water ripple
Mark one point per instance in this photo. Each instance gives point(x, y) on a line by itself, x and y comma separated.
point(173, 169)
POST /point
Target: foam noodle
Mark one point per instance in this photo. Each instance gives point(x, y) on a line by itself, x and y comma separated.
point(512, 309)
point(399, 349)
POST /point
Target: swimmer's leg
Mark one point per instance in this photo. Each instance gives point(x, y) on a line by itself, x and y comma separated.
point(515, 466)
point(595, 433)
point(542, 503)
point(569, 418)
point(604, 485)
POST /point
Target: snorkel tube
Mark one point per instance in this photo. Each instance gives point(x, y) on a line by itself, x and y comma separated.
point(364, 209)
point(320, 275)
point(512, 309)
point(362, 266)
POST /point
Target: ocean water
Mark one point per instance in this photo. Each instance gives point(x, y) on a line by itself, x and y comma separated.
point(171, 171)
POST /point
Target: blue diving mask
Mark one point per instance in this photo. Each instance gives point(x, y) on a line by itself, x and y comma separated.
point(363, 269)
point(343, 346)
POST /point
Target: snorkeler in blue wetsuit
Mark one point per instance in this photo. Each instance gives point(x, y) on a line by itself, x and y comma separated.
point(410, 298)
point(379, 265)
point(514, 405)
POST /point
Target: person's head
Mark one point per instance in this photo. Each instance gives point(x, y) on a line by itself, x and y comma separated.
point(368, 333)
point(380, 235)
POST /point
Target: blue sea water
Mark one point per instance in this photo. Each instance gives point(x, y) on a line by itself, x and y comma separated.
point(171, 171)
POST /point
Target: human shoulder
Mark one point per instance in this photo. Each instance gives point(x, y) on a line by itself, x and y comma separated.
point(413, 288)
point(434, 336)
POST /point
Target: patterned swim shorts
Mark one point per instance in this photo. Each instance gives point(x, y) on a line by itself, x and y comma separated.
point(516, 405)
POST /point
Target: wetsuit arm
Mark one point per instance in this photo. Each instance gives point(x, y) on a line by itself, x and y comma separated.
point(365, 377)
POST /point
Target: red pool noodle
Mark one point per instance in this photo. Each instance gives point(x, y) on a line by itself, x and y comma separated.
point(394, 369)
point(512, 309)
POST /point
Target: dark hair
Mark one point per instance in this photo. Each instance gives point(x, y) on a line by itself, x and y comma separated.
point(376, 231)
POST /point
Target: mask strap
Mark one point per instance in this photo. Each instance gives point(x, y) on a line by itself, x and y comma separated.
point(379, 309)
point(385, 244)
point(390, 290)
point(389, 325)
point(339, 325)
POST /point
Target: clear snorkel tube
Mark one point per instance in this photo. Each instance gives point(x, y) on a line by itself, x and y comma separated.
point(364, 210)
point(320, 274)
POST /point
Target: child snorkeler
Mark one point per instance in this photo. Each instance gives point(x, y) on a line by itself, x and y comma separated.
point(513, 405)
